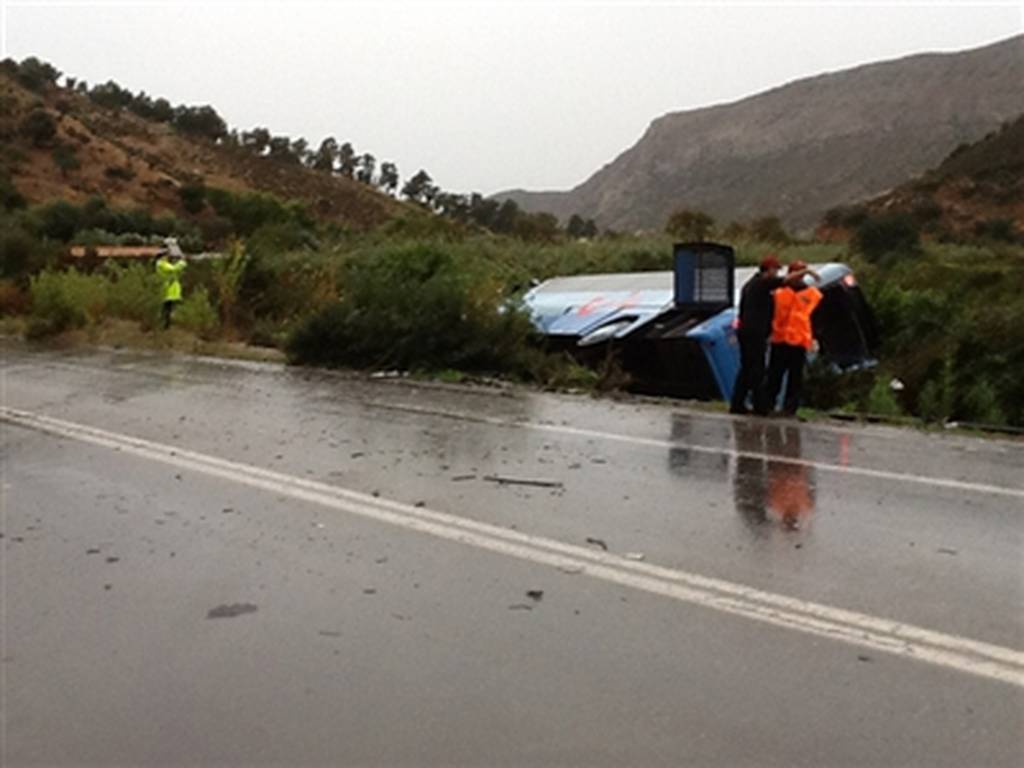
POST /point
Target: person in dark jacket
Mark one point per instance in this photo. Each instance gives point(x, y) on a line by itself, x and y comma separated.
point(754, 327)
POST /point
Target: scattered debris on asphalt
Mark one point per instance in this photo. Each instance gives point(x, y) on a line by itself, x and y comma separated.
point(634, 556)
point(463, 478)
point(597, 543)
point(946, 551)
point(535, 594)
point(520, 607)
point(505, 480)
point(231, 611)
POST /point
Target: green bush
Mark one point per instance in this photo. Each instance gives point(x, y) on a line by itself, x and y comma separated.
point(65, 300)
point(415, 307)
point(881, 235)
point(881, 401)
point(134, 293)
point(195, 313)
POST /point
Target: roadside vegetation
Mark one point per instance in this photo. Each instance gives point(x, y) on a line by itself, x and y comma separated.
point(436, 289)
point(434, 296)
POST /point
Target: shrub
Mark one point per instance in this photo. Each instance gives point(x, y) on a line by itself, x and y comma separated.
point(19, 251)
point(59, 220)
point(65, 300)
point(981, 404)
point(134, 293)
point(122, 172)
point(414, 307)
point(881, 401)
point(885, 234)
point(685, 224)
point(65, 159)
point(10, 197)
point(196, 314)
point(39, 128)
point(13, 300)
point(193, 197)
point(1000, 230)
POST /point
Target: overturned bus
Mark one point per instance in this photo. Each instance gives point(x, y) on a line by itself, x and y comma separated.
point(675, 332)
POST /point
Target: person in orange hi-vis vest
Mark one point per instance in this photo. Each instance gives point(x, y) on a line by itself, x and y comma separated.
point(791, 339)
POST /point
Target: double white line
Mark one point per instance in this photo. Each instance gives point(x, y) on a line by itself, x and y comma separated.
point(962, 654)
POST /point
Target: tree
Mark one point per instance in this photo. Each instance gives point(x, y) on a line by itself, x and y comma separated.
point(420, 188)
point(300, 150)
point(257, 140)
point(689, 225)
point(388, 179)
point(346, 160)
point(884, 234)
point(281, 148)
point(483, 210)
point(366, 165)
point(769, 229)
point(325, 156)
point(39, 128)
point(505, 218)
point(163, 112)
point(34, 74)
point(111, 95)
point(580, 227)
point(203, 121)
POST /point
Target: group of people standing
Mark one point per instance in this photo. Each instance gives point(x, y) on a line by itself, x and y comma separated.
point(776, 311)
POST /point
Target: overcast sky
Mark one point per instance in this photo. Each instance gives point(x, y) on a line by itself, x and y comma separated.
point(484, 95)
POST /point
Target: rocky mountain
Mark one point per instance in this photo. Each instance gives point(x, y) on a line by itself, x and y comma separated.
point(57, 143)
point(800, 149)
point(978, 190)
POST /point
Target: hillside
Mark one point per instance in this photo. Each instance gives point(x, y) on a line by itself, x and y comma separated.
point(977, 190)
point(134, 162)
point(800, 149)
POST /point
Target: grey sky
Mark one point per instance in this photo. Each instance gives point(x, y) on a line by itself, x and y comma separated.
point(484, 95)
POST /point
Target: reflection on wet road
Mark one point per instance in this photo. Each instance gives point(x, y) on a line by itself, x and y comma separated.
point(771, 490)
point(378, 600)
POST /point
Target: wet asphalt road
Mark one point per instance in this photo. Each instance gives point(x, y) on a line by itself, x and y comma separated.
point(166, 609)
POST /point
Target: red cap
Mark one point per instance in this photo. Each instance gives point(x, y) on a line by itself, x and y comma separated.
point(771, 261)
point(797, 265)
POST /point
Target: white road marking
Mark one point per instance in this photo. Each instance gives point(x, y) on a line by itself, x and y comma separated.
point(950, 651)
point(653, 442)
point(591, 434)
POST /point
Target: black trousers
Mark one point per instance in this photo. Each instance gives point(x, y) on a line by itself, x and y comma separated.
point(165, 314)
point(750, 377)
point(785, 361)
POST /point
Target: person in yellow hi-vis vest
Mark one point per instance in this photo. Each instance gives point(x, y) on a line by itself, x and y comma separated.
point(169, 267)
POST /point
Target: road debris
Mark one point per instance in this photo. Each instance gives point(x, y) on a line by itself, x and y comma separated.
point(571, 569)
point(535, 594)
point(947, 551)
point(597, 543)
point(520, 607)
point(231, 611)
point(634, 556)
point(463, 478)
point(505, 480)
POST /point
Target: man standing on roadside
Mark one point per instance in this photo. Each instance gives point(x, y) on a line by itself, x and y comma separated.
point(169, 267)
point(791, 338)
point(754, 328)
